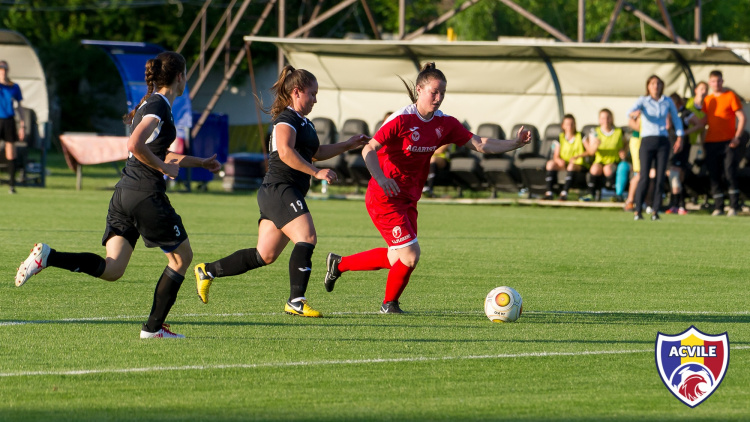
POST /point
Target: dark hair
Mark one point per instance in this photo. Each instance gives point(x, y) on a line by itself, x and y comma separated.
point(716, 73)
point(648, 81)
point(289, 78)
point(428, 73)
point(676, 97)
point(161, 71)
point(570, 116)
point(608, 111)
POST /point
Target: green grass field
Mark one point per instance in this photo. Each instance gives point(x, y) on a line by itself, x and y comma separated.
point(597, 287)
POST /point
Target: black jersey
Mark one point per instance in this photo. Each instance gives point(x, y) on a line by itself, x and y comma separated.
point(137, 175)
point(306, 144)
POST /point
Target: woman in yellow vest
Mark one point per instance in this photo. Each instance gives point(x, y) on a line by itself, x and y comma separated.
point(569, 155)
point(607, 146)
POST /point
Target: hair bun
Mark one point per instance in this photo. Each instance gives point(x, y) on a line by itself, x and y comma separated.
point(428, 66)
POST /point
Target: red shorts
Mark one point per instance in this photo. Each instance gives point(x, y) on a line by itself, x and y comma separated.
point(396, 221)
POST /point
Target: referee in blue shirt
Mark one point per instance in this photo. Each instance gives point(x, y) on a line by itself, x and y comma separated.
point(654, 109)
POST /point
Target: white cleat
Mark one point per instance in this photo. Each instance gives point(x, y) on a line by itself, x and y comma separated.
point(162, 333)
point(36, 262)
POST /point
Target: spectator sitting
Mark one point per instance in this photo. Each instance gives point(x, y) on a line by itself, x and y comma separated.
point(606, 144)
point(569, 154)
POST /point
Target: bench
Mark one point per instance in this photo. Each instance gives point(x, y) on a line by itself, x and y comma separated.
point(87, 148)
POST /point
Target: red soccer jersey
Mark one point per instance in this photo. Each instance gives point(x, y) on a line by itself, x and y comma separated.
point(408, 143)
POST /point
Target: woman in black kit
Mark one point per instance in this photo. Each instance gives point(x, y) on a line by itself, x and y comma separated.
point(284, 216)
point(139, 205)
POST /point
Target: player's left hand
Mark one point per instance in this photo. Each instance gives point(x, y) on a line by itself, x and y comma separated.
point(358, 141)
point(678, 145)
point(734, 143)
point(211, 164)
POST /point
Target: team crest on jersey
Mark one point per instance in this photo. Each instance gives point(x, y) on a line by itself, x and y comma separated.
point(692, 364)
point(396, 232)
point(439, 132)
point(415, 136)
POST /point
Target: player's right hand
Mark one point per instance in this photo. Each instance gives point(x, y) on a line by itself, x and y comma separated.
point(389, 186)
point(327, 174)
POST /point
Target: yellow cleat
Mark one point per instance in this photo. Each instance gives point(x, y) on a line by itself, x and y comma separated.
point(301, 308)
point(203, 282)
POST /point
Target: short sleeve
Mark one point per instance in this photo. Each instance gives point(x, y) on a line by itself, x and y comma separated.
point(389, 131)
point(156, 109)
point(457, 133)
point(736, 105)
point(17, 93)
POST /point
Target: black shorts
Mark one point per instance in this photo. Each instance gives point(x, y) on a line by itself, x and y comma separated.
point(134, 213)
point(281, 203)
point(681, 159)
point(8, 131)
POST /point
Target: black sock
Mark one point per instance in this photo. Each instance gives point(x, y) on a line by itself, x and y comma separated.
point(300, 266)
point(431, 176)
point(84, 262)
point(165, 295)
point(550, 178)
point(568, 181)
point(734, 201)
point(681, 198)
point(12, 172)
point(591, 183)
point(237, 263)
point(672, 200)
point(650, 193)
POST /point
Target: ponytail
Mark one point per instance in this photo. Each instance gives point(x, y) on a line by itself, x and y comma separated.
point(161, 71)
point(289, 78)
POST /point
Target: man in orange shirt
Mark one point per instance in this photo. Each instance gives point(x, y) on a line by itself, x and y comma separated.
point(726, 121)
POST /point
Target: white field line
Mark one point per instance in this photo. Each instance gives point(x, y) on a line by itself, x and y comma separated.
point(246, 314)
point(323, 363)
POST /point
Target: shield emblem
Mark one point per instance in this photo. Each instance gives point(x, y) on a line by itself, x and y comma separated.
point(692, 364)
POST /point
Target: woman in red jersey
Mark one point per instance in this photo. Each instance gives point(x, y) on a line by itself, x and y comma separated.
point(398, 158)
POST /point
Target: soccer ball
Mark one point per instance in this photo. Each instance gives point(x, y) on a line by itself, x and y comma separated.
point(503, 304)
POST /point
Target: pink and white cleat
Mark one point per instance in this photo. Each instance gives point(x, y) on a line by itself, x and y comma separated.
point(162, 333)
point(36, 262)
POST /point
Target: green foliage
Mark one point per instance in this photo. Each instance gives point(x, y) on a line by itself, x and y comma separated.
point(490, 19)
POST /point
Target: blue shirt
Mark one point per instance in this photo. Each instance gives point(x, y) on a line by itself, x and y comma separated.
point(7, 94)
point(654, 116)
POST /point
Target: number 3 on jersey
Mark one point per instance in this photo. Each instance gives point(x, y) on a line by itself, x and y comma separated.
point(299, 204)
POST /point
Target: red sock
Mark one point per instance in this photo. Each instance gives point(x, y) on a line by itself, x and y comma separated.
point(398, 278)
point(374, 259)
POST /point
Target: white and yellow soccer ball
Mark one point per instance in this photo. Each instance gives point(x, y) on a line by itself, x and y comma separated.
point(503, 304)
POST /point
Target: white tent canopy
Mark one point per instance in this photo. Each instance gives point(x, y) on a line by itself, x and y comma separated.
point(504, 82)
point(27, 72)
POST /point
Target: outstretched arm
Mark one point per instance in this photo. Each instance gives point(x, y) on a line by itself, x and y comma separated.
point(499, 146)
point(328, 151)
